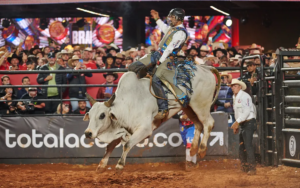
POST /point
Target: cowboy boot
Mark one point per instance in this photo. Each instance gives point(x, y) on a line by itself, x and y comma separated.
point(162, 114)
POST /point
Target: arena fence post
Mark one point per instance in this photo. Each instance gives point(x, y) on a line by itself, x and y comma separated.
point(287, 106)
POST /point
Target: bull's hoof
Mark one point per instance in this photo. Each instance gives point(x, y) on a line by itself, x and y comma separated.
point(100, 169)
point(189, 166)
point(119, 169)
point(193, 151)
point(202, 153)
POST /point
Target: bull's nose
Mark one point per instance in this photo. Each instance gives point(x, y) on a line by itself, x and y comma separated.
point(88, 134)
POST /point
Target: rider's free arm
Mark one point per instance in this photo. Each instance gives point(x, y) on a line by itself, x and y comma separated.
point(178, 38)
point(162, 26)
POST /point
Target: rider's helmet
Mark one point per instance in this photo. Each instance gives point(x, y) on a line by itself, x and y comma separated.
point(179, 13)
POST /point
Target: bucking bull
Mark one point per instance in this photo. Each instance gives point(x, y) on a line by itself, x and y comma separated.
point(129, 115)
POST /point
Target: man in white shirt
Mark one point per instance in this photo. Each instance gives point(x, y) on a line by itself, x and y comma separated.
point(175, 36)
point(245, 114)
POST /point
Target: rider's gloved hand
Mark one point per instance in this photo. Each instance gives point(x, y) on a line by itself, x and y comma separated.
point(158, 63)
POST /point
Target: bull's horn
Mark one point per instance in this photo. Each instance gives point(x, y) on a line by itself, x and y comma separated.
point(90, 98)
point(110, 101)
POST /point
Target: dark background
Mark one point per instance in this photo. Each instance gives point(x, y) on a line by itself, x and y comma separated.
point(283, 31)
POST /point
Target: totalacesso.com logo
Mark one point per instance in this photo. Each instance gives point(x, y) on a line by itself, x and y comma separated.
point(74, 141)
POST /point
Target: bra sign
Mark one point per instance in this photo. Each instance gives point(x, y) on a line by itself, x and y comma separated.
point(81, 37)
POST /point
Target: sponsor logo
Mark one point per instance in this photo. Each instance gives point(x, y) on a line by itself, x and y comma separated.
point(38, 140)
point(71, 140)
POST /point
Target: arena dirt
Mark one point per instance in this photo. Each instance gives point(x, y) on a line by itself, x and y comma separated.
point(218, 173)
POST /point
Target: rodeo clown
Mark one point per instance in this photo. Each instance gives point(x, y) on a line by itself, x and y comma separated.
point(172, 42)
point(187, 131)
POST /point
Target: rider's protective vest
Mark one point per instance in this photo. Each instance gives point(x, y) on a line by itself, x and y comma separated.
point(165, 41)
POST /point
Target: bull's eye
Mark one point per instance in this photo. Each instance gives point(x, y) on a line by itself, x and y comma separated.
point(102, 116)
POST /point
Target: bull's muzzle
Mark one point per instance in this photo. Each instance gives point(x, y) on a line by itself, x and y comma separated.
point(88, 134)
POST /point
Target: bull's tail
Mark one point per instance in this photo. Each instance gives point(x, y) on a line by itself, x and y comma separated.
point(216, 72)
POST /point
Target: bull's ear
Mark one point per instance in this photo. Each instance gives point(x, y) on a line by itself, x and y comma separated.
point(86, 117)
point(112, 116)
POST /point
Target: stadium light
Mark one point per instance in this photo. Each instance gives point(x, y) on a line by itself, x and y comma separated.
point(228, 22)
point(212, 7)
point(92, 12)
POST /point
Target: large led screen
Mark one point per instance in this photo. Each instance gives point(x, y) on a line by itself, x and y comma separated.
point(203, 29)
point(87, 31)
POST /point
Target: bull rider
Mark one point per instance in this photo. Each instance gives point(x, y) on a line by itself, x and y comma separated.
point(172, 42)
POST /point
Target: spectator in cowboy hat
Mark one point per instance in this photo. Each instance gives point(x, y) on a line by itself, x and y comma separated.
point(106, 92)
point(86, 59)
point(34, 50)
point(77, 78)
point(204, 50)
point(255, 52)
point(219, 52)
point(235, 61)
point(254, 49)
point(211, 61)
point(100, 52)
point(232, 51)
point(112, 49)
point(118, 61)
point(65, 56)
point(225, 92)
point(193, 51)
point(109, 61)
point(132, 52)
point(14, 62)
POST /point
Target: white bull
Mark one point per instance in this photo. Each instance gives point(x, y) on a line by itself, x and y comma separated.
point(128, 117)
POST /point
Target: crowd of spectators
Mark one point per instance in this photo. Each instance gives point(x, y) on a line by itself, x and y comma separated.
point(63, 57)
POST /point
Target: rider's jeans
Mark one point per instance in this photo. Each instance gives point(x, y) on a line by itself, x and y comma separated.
point(159, 91)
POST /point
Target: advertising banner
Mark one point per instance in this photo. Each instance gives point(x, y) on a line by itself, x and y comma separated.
point(84, 31)
point(63, 137)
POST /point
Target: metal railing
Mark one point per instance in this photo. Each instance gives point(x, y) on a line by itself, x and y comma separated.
point(65, 71)
point(61, 100)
